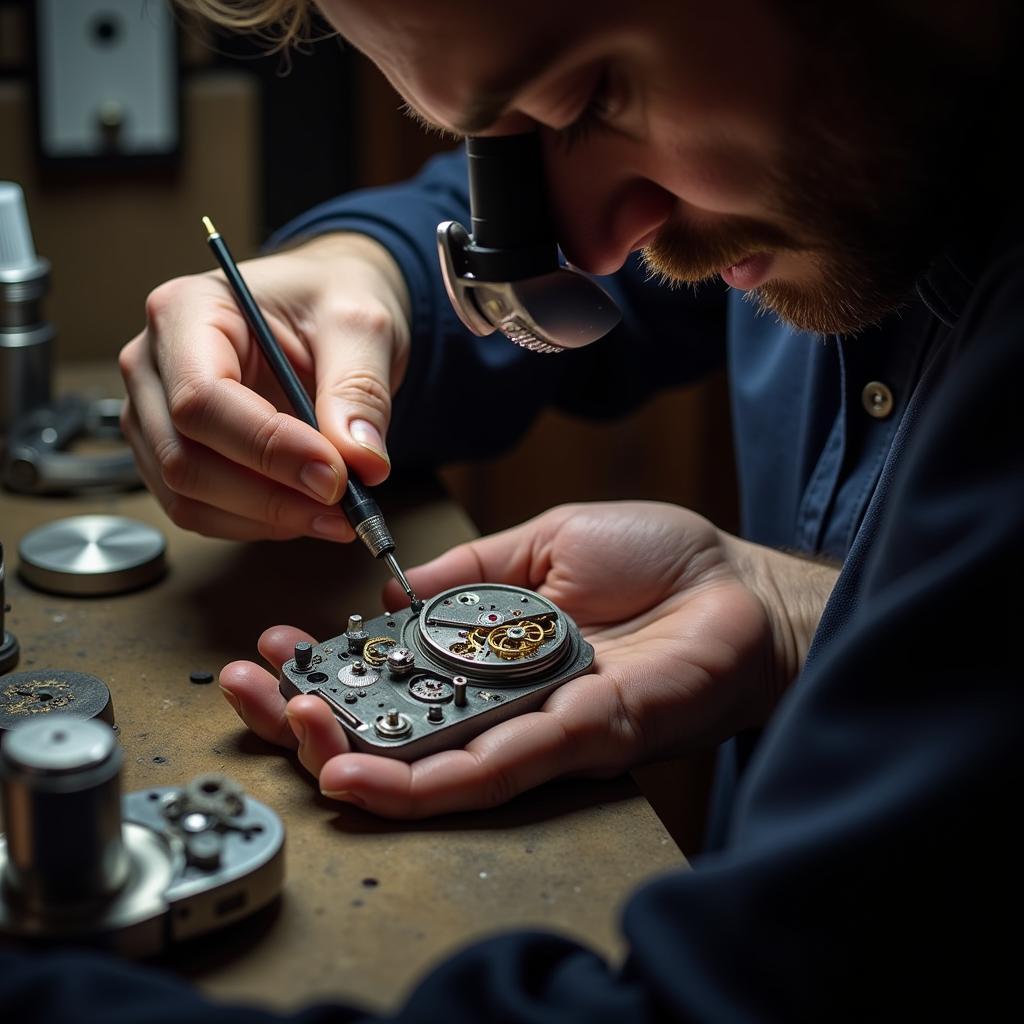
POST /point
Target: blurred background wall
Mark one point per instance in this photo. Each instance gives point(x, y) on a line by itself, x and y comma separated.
point(262, 139)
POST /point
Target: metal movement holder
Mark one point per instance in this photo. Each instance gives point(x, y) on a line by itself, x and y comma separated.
point(35, 429)
point(80, 864)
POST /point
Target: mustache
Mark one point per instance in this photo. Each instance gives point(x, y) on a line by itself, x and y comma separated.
point(692, 253)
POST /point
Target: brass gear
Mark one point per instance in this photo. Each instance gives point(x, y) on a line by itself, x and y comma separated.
point(516, 639)
point(372, 653)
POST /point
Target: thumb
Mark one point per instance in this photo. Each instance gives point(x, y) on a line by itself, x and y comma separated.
point(353, 396)
point(519, 556)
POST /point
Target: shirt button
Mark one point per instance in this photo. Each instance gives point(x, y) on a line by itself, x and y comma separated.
point(876, 399)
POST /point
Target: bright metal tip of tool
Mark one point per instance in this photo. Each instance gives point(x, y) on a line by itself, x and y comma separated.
point(396, 571)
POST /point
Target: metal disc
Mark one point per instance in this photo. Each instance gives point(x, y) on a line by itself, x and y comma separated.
point(43, 691)
point(92, 555)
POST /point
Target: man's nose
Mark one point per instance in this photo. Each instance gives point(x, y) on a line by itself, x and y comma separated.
point(603, 203)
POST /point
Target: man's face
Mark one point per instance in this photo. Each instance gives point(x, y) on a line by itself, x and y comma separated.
point(719, 141)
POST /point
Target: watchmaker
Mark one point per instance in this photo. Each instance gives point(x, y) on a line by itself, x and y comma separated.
point(847, 173)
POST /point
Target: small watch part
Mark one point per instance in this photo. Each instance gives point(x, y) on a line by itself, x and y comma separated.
point(358, 674)
point(401, 661)
point(434, 714)
point(355, 634)
point(303, 656)
point(204, 849)
point(431, 689)
point(375, 650)
point(212, 796)
point(393, 724)
point(459, 685)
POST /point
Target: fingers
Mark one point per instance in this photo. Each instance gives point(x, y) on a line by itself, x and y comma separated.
point(189, 364)
point(319, 735)
point(252, 691)
point(353, 351)
point(198, 370)
point(305, 722)
point(496, 766)
point(201, 490)
point(205, 420)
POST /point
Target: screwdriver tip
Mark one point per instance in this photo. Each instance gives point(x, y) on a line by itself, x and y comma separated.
point(396, 571)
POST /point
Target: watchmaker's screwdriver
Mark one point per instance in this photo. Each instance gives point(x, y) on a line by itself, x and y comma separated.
point(360, 509)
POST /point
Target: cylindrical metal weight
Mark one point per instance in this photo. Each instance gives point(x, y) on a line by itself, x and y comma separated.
point(61, 782)
point(26, 339)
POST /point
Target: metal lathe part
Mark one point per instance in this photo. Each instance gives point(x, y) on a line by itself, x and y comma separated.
point(26, 339)
point(62, 814)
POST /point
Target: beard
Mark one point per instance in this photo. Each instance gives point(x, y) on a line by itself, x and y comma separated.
point(851, 285)
point(865, 207)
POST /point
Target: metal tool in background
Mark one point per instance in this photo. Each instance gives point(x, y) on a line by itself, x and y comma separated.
point(35, 692)
point(9, 649)
point(26, 338)
point(81, 864)
point(35, 430)
point(504, 273)
point(92, 554)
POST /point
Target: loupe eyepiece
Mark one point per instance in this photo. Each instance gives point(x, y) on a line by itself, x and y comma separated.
point(506, 275)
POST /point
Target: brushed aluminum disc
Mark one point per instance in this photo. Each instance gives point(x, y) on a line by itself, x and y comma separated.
point(95, 554)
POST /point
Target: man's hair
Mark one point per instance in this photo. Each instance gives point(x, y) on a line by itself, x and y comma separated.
point(280, 22)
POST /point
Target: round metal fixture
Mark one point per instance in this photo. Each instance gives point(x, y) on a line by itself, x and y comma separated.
point(84, 555)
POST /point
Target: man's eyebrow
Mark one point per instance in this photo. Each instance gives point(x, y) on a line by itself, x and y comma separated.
point(480, 113)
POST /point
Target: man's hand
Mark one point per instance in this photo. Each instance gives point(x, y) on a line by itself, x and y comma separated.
point(213, 435)
point(692, 637)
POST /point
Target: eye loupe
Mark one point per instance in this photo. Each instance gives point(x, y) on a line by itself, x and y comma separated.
point(505, 274)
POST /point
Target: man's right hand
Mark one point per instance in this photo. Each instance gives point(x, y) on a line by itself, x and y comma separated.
point(213, 435)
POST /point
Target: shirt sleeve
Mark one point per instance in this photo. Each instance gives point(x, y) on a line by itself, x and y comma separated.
point(667, 338)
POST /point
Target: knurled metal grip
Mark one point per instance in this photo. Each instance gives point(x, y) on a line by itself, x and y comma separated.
point(374, 533)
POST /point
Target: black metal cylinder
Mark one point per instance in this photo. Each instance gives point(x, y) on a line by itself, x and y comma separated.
point(61, 782)
point(512, 232)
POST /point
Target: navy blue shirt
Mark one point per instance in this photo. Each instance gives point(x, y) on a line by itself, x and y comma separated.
point(868, 866)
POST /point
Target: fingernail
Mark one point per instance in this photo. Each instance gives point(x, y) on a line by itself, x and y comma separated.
point(232, 700)
point(343, 794)
point(332, 527)
point(321, 480)
point(298, 727)
point(367, 435)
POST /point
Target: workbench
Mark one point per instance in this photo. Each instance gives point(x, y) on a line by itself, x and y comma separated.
point(369, 904)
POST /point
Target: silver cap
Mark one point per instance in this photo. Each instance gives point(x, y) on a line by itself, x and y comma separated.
point(17, 250)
